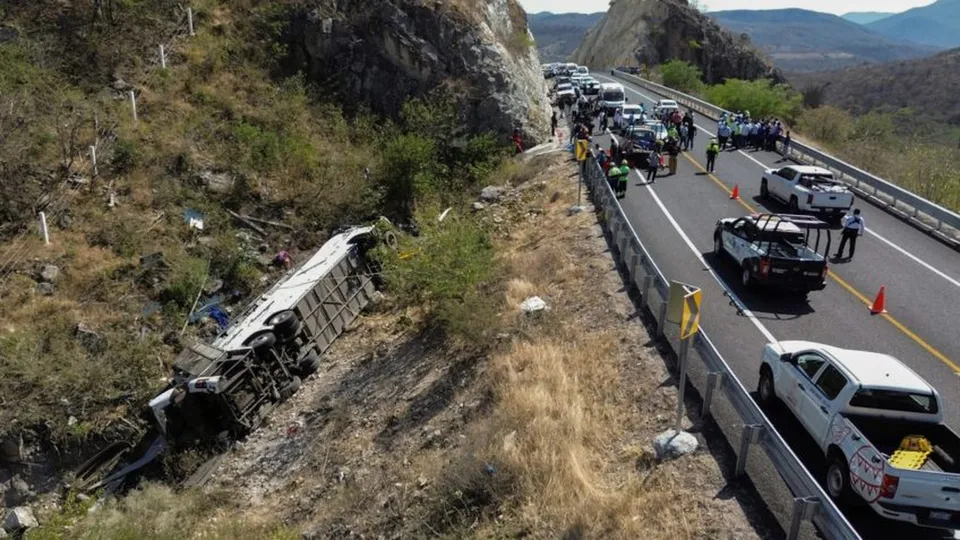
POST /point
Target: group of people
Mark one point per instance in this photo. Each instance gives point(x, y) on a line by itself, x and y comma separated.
point(740, 131)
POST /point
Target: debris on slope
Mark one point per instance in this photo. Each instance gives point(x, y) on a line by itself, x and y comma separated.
point(403, 434)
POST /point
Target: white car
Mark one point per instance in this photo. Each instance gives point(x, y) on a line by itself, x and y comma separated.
point(666, 105)
point(806, 188)
point(657, 127)
point(630, 115)
point(879, 424)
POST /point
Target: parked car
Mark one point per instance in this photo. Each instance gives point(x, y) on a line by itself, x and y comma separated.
point(879, 424)
point(806, 189)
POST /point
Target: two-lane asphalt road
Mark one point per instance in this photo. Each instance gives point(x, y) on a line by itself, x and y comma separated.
point(676, 218)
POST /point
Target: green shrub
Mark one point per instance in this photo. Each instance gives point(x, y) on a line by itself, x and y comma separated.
point(156, 512)
point(761, 97)
point(187, 274)
point(450, 269)
point(409, 169)
point(682, 76)
point(827, 124)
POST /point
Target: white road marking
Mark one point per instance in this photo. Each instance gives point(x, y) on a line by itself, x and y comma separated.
point(740, 305)
point(899, 249)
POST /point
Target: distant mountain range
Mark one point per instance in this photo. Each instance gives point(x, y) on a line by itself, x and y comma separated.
point(926, 85)
point(803, 40)
point(559, 34)
point(866, 17)
point(937, 24)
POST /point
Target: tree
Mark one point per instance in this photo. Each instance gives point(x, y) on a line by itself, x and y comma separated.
point(761, 97)
point(827, 124)
point(682, 76)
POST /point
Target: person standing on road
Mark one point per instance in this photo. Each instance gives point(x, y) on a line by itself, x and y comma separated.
point(691, 134)
point(553, 124)
point(785, 147)
point(853, 227)
point(613, 176)
point(723, 134)
point(713, 148)
point(684, 136)
point(653, 165)
point(673, 150)
point(624, 179)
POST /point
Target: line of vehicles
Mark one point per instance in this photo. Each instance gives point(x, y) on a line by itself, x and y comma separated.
point(878, 423)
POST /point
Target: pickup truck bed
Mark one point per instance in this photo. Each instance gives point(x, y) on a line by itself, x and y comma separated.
point(886, 435)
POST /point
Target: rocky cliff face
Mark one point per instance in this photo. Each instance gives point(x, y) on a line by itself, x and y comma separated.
point(653, 31)
point(382, 52)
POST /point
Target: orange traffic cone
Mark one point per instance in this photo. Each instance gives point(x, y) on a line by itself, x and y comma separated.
point(735, 195)
point(877, 307)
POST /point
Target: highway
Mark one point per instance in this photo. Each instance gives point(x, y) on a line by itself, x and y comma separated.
point(676, 218)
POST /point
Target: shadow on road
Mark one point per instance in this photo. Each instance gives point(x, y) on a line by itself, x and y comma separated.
point(764, 302)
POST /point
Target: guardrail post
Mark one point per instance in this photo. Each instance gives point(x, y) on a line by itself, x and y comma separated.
point(645, 288)
point(663, 319)
point(751, 434)
point(804, 508)
point(714, 382)
point(681, 378)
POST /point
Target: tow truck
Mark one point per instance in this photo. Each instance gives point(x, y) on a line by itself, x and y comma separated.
point(774, 249)
point(879, 424)
point(222, 390)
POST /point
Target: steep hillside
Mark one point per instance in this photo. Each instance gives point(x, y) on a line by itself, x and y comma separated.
point(802, 40)
point(866, 17)
point(401, 106)
point(653, 31)
point(937, 24)
point(559, 34)
point(409, 48)
point(925, 85)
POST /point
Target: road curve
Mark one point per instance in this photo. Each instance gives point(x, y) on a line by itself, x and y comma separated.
point(676, 217)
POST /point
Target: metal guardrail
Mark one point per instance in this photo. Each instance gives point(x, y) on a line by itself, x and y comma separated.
point(796, 499)
point(926, 214)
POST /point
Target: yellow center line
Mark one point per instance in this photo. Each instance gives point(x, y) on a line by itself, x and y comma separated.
point(863, 298)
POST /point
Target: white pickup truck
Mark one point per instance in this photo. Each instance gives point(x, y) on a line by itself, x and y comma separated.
point(878, 424)
point(805, 188)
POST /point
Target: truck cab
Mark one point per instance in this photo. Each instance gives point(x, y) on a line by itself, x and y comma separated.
point(879, 424)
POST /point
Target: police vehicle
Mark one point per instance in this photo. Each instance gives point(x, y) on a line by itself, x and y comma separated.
point(775, 250)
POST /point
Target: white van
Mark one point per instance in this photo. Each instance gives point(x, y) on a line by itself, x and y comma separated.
point(612, 97)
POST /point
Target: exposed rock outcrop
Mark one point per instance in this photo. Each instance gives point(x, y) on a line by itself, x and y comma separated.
point(654, 31)
point(382, 52)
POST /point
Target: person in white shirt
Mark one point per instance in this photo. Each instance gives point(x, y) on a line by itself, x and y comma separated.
point(853, 227)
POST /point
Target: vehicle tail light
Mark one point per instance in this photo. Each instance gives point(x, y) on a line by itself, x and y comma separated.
point(810, 198)
point(764, 266)
point(889, 486)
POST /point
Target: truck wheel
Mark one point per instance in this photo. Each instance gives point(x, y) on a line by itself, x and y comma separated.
point(765, 390)
point(838, 479)
point(794, 204)
point(764, 192)
point(283, 322)
point(309, 364)
point(290, 388)
point(746, 278)
point(262, 343)
point(718, 244)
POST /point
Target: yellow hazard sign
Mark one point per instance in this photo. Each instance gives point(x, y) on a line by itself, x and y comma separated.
point(683, 308)
point(690, 318)
point(583, 146)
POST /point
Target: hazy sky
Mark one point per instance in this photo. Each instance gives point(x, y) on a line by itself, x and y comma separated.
point(828, 6)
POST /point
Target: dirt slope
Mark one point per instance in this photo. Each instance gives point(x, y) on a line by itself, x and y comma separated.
point(404, 435)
